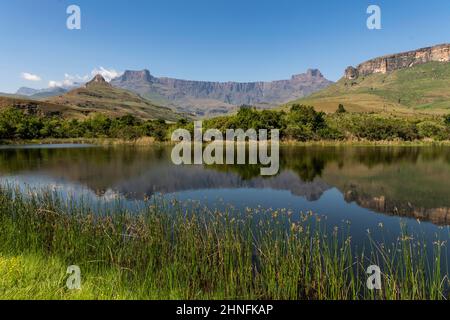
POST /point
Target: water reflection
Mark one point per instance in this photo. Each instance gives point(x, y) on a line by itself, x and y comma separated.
point(399, 181)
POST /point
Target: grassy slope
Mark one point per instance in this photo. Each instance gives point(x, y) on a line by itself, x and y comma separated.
point(40, 107)
point(113, 102)
point(420, 89)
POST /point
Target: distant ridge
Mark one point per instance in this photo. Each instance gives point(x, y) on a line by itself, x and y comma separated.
point(41, 93)
point(206, 98)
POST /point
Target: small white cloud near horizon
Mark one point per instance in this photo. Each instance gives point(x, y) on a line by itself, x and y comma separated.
point(71, 80)
point(30, 77)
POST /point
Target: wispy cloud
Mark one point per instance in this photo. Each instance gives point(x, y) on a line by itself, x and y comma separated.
point(56, 84)
point(68, 81)
point(30, 77)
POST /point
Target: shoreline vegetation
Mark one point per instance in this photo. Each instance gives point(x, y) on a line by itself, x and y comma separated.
point(146, 141)
point(301, 125)
point(168, 250)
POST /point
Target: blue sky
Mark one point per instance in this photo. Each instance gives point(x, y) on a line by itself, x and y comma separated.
point(217, 40)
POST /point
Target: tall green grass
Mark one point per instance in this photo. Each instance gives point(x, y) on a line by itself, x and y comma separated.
point(169, 251)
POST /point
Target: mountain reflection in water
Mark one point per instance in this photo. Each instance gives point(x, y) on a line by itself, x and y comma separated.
point(409, 182)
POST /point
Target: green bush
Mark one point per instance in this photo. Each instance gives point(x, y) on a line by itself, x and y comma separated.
point(447, 120)
point(301, 115)
point(381, 128)
point(300, 133)
point(429, 129)
point(302, 123)
point(14, 124)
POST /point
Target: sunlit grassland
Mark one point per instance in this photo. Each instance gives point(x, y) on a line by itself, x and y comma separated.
point(170, 251)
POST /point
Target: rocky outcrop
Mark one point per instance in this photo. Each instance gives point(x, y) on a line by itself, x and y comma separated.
point(386, 64)
point(98, 80)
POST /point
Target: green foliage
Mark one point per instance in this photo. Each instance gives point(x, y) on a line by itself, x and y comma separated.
point(302, 123)
point(381, 128)
point(14, 124)
point(430, 129)
point(306, 116)
point(447, 120)
point(248, 118)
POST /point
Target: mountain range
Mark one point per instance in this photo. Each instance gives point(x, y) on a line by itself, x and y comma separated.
point(410, 82)
point(206, 99)
point(40, 93)
point(46, 92)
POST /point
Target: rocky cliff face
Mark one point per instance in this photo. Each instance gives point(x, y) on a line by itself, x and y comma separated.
point(440, 53)
point(202, 97)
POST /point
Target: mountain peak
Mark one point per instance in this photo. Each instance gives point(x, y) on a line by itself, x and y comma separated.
point(310, 74)
point(142, 75)
point(314, 73)
point(25, 91)
point(98, 80)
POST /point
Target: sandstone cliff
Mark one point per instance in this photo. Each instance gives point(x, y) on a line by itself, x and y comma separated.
point(439, 53)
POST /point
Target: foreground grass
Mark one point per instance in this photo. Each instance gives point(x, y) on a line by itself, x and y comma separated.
point(169, 251)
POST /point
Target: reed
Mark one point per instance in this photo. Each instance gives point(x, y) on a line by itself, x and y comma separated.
point(167, 250)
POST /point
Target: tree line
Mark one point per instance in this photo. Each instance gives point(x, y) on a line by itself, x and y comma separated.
point(299, 123)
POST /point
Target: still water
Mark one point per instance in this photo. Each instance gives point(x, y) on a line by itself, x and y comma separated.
point(372, 187)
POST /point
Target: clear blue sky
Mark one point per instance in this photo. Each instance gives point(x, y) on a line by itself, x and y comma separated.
point(220, 40)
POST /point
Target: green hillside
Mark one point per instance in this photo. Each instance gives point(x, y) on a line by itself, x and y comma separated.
point(41, 108)
point(98, 96)
point(422, 88)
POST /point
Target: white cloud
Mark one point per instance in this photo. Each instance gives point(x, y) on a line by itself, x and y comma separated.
point(54, 84)
point(30, 77)
point(70, 80)
point(108, 74)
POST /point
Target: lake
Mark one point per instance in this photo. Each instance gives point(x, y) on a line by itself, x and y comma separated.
point(373, 188)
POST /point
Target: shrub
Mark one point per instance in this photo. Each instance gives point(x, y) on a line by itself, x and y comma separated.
point(299, 133)
point(341, 109)
point(447, 120)
point(383, 128)
point(307, 116)
point(429, 129)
